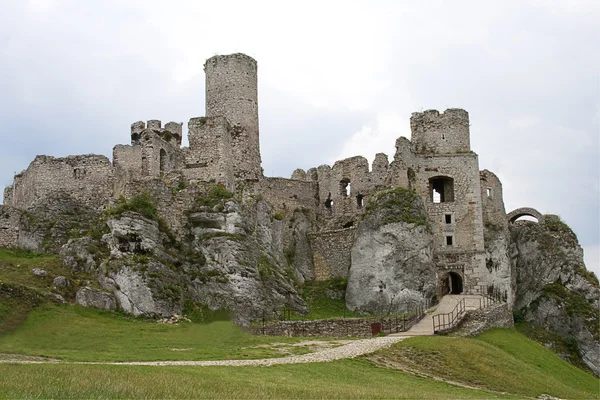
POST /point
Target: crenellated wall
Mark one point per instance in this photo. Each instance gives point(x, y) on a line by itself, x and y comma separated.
point(445, 133)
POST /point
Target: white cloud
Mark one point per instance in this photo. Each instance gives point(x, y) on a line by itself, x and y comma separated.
point(336, 79)
point(377, 137)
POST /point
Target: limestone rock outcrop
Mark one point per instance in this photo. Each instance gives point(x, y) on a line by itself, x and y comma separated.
point(90, 297)
point(230, 256)
point(554, 289)
point(392, 255)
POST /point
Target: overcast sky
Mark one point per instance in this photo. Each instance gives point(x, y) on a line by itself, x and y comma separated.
point(336, 79)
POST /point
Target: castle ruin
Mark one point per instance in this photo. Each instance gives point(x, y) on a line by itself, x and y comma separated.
point(437, 163)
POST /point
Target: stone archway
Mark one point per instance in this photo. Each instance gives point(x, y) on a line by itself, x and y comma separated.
point(524, 211)
point(451, 283)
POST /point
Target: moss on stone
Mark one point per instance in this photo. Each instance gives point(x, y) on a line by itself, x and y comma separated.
point(266, 269)
point(575, 304)
point(397, 205)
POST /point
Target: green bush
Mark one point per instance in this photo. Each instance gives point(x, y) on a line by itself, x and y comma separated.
point(141, 204)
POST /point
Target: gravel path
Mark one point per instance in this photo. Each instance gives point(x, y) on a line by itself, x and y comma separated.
point(354, 349)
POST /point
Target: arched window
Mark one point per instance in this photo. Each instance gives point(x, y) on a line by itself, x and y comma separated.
point(441, 189)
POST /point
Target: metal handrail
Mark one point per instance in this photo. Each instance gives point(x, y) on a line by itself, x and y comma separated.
point(448, 320)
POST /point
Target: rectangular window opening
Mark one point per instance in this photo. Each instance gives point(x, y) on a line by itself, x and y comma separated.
point(489, 192)
point(449, 241)
point(448, 218)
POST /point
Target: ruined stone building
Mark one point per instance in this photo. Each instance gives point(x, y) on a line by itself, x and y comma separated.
point(437, 163)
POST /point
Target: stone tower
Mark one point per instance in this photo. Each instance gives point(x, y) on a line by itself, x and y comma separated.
point(232, 92)
point(445, 133)
point(449, 182)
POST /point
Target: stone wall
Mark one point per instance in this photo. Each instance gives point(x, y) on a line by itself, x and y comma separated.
point(494, 213)
point(332, 253)
point(287, 195)
point(232, 92)
point(342, 327)
point(86, 178)
point(479, 321)
point(456, 223)
point(210, 153)
point(9, 226)
point(499, 271)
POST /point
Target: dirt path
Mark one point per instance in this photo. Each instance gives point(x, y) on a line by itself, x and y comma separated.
point(350, 350)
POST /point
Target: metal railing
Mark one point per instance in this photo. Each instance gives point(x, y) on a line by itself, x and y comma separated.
point(442, 322)
point(489, 295)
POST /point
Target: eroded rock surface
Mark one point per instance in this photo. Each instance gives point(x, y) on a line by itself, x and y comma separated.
point(554, 289)
point(392, 255)
point(89, 297)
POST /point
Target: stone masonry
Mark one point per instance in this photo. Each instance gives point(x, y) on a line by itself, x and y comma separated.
point(438, 164)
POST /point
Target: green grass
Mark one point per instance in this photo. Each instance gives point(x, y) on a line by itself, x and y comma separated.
point(79, 334)
point(320, 305)
point(15, 305)
point(567, 347)
point(16, 266)
point(499, 359)
point(345, 379)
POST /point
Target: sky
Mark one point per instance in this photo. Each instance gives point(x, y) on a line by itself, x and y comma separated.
point(336, 79)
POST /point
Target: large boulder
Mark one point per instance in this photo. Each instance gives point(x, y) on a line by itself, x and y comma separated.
point(94, 298)
point(554, 288)
point(392, 255)
point(133, 233)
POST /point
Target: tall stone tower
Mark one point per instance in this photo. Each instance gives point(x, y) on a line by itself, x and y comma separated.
point(449, 182)
point(232, 92)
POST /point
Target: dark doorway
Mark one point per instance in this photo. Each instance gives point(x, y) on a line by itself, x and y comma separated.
point(452, 283)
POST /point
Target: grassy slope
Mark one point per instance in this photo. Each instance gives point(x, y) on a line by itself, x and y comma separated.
point(16, 266)
point(80, 334)
point(499, 359)
point(320, 305)
point(346, 379)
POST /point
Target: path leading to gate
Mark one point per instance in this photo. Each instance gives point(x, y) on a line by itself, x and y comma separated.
point(425, 326)
point(353, 349)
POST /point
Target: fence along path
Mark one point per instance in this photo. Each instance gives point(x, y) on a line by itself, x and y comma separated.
point(445, 306)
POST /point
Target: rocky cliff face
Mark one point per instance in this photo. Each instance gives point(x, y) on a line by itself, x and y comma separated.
point(392, 255)
point(554, 289)
point(232, 257)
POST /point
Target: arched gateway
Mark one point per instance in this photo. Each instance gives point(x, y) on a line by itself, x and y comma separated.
point(451, 283)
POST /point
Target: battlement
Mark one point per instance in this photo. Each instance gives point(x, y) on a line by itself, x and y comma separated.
point(441, 133)
point(239, 58)
point(170, 131)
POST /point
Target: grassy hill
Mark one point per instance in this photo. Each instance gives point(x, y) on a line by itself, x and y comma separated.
point(501, 363)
